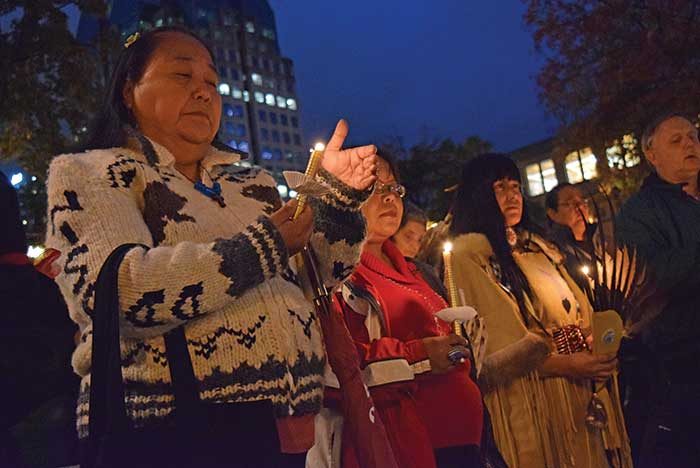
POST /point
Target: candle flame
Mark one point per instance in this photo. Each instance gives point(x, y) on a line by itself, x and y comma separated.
point(319, 146)
point(447, 247)
point(585, 270)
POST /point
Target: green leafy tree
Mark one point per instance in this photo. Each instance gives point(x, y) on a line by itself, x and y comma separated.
point(430, 168)
point(50, 88)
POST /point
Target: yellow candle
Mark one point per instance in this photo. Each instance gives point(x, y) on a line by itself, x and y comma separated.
point(311, 169)
point(449, 277)
point(451, 286)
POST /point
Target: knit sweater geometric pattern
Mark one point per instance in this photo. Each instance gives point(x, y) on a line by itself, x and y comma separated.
point(223, 272)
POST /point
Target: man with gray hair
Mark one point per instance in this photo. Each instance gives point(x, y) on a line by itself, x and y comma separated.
point(662, 221)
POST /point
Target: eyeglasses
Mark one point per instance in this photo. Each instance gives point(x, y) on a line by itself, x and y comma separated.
point(382, 189)
point(575, 203)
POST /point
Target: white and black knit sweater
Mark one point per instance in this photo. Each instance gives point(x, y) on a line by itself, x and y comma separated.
point(223, 271)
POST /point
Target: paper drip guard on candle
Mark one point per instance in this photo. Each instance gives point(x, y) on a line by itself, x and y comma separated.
point(305, 185)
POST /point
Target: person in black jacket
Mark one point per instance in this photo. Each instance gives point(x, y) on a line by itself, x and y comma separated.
point(662, 222)
point(567, 213)
point(37, 417)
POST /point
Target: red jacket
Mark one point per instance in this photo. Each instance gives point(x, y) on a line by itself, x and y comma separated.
point(421, 411)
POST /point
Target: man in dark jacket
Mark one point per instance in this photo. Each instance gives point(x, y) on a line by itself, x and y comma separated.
point(663, 222)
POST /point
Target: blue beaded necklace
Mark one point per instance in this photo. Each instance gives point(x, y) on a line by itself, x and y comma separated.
point(213, 192)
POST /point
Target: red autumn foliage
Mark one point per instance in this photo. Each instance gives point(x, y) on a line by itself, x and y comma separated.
point(610, 65)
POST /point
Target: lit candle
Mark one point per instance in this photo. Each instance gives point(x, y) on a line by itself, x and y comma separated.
point(311, 170)
point(449, 277)
point(451, 286)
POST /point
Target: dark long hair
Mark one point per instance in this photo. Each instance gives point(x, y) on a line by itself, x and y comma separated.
point(111, 126)
point(476, 210)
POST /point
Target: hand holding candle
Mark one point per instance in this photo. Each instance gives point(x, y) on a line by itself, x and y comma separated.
point(311, 170)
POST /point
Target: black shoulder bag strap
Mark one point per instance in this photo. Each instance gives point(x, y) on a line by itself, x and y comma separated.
point(108, 415)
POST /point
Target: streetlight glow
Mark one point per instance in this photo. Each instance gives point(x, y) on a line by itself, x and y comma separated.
point(16, 179)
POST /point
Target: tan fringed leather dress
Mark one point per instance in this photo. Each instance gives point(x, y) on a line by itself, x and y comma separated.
point(538, 421)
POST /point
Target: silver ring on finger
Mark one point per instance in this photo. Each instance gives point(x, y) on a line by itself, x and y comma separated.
point(455, 356)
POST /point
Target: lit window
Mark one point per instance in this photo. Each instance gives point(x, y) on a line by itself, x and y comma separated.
point(224, 89)
point(250, 27)
point(257, 79)
point(259, 97)
point(281, 102)
point(541, 177)
point(270, 99)
point(228, 110)
point(243, 146)
point(268, 33)
point(549, 174)
point(236, 93)
point(289, 155)
point(246, 95)
point(574, 172)
point(534, 179)
point(266, 154)
point(616, 159)
point(625, 154)
point(159, 22)
point(292, 104)
point(581, 165)
point(589, 163)
point(233, 144)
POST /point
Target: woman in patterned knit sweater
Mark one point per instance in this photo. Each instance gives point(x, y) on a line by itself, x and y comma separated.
point(214, 261)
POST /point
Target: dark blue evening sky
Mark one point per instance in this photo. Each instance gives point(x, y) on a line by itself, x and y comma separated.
point(399, 67)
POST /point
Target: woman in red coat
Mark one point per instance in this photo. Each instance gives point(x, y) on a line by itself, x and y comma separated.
point(431, 409)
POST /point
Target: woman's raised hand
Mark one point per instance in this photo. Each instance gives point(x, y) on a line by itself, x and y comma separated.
point(355, 167)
